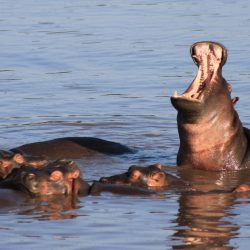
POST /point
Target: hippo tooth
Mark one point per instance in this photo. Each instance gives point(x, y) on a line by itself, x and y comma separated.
point(175, 94)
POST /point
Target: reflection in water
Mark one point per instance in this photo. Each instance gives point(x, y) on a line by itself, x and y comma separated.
point(63, 64)
point(205, 216)
point(203, 220)
point(55, 207)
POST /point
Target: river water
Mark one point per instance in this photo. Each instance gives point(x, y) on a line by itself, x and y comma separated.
point(106, 69)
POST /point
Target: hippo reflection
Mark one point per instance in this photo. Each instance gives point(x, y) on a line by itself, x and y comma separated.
point(241, 188)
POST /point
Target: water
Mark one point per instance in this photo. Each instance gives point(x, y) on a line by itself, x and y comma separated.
point(107, 69)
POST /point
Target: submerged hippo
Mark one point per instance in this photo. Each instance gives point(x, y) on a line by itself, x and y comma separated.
point(98, 187)
point(210, 131)
point(152, 177)
point(58, 177)
point(10, 160)
point(138, 181)
point(72, 147)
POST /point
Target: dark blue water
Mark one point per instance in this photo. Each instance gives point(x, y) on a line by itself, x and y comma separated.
point(107, 69)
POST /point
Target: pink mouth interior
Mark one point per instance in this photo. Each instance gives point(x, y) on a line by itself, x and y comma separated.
point(209, 57)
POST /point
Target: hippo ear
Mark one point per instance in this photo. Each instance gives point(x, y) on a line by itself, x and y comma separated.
point(18, 158)
point(158, 165)
point(135, 174)
point(132, 167)
point(75, 174)
point(235, 100)
point(56, 176)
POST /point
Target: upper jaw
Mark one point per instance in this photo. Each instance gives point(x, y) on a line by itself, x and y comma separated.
point(185, 97)
point(209, 57)
point(218, 50)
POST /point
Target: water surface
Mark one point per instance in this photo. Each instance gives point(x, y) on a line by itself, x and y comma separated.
point(107, 69)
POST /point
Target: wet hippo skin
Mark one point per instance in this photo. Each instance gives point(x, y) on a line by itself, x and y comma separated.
point(211, 134)
point(97, 188)
point(152, 177)
point(10, 160)
point(72, 147)
point(57, 178)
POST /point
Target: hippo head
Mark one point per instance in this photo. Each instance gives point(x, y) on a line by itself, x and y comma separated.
point(209, 89)
point(39, 183)
point(150, 176)
point(59, 177)
point(10, 160)
point(211, 134)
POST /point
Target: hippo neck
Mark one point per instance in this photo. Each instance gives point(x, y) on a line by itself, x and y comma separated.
point(214, 142)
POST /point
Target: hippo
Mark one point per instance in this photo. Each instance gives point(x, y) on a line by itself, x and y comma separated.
point(72, 147)
point(152, 177)
point(63, 177)
point(121, 189)
point(58, 177)
point(10, 160)
point(211, 134)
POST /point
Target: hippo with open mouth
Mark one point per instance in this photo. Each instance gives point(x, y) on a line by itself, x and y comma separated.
point(211, 134)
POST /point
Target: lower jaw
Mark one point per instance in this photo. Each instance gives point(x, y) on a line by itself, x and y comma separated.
point(187, 105)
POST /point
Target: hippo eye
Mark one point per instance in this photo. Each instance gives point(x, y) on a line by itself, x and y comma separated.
point(135, 174)
point(157, 176)
point(31, 183)
point(30, 177)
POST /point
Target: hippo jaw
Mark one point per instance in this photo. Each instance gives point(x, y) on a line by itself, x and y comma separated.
point(209, 57)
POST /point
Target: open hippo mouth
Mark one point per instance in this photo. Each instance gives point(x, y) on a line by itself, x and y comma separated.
point(209, 57)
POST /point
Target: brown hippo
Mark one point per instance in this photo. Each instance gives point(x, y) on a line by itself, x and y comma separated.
point(58, 177)
point(210, 131)
point(152, 177)
point(10, 160)
point(97, 188)
point(72, 147)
